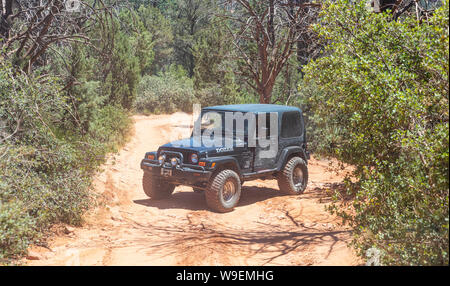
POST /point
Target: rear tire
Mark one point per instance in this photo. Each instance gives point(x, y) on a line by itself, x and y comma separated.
point(154, 188)
point(293, 179)
point(224, 191)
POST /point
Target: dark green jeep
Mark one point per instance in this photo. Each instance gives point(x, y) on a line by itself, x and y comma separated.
point(231, 144)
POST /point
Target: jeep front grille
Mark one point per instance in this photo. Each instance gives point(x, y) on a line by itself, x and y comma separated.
point(186, 154)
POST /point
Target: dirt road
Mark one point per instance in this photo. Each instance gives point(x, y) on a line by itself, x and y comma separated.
point(265, 229)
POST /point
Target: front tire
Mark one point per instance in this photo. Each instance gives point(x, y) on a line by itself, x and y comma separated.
point(292, 180)
point(154, 188)
point(224, 191)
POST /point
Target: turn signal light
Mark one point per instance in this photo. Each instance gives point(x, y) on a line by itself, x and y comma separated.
point(151, 157)
point(203, 164)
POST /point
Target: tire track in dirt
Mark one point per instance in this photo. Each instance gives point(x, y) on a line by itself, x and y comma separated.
point(126, 228)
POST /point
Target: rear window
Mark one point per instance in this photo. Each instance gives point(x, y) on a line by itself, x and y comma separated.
point(291, 125)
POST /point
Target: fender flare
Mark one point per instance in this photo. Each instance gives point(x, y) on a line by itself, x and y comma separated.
point(223, 160)
point(289, 151)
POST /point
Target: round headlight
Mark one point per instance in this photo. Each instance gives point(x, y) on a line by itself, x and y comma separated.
point(174, 161)
point(194, 158)
point(161, 159)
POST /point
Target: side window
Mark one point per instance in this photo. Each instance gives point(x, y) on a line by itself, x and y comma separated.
point(291, 125)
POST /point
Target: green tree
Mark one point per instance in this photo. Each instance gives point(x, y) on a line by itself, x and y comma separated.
point(123, 76)
point(140, 38)
point(264, 35)
point(159, 29)
point(213, 73)
point(117, 61)
point(380, 102)
point(190, 17)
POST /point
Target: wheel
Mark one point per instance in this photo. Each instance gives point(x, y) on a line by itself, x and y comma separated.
point(154, 188)
point(224, 191)
point(292, 180)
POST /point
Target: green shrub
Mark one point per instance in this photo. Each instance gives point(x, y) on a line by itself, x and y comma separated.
point(173, 90)
point(379, 100)
point(110, 126)
point(46, 162)
point(16, 229)
point(167, 92)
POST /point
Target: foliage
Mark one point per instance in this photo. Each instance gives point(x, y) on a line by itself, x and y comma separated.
point(192, 16)
point(214, 78)
point(377, 98)
point(379, 95)
point(122, 74)
point(71, 106)
point(165, 93)
point(47, 164)
point(265, 35)
point(160, 30)
point(285, 89)
point(186, 34)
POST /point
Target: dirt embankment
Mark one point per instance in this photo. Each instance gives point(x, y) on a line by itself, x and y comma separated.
point(265, 229)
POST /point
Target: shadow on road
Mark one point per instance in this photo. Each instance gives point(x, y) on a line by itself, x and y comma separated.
point(196, 201)
point(265, 243)
point(190, 200)
point(179, 200)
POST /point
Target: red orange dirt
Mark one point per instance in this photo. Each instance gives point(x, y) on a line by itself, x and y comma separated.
point(127, 228)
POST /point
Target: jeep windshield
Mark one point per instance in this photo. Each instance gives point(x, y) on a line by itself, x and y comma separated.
point(215, 120)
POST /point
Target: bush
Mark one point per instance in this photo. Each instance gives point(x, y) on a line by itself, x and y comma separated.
point(16, 229)
point(167, 92)
point(380, 102)
point(110, 126)
point(46, 162)
point(173, 90)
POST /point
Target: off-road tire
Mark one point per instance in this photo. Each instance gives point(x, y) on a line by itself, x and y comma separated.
point(214, 194)
point(285, 177)
point(154, 189)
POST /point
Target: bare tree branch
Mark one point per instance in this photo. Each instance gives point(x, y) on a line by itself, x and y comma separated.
point(265, 34)
point(41, 23)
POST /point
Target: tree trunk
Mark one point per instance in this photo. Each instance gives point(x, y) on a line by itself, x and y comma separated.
point(6, 11)
point(265, 92)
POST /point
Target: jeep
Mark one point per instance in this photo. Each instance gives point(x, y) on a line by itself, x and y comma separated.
point(219, 169)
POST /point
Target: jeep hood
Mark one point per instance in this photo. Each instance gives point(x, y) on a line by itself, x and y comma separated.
point(192, 145)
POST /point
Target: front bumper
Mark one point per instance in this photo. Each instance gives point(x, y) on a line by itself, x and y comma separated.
point(184, 174)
